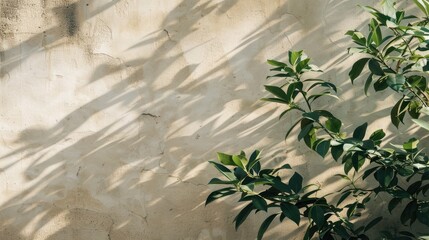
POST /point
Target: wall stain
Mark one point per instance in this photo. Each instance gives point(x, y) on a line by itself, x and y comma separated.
point(8, 17)
point(71, 21)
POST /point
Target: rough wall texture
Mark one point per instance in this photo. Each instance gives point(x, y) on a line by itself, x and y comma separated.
point(110, 109)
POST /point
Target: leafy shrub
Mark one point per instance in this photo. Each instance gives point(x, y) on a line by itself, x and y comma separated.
point(395, 52)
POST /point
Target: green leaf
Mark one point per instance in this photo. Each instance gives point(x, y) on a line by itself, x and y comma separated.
point(380, 84)
point(242, 215)
point(397, 114)
point(259, 203)
point(304, 131)
point(265, 225)
point(405, 171)
point(219, 194)
point(357, 68)
point(337, 151)
point(275, 100)
point(368, 172)
point(395, 81)
point(359, 132)
point(357, 161)
point(372, 223)
point(409, 213)
point(291, 211)
point(367, 84)
point(240, 161)
point(414, 109)
point(219, 181)
point(376, 34)
point(393, 204)
point(314, 116)
point(411, 144)
point(278, 92)
point(225, 159)
point(377, 135)
point(225, 171)
point(294, 57)
point(292, 88)
point(323, 147)
point(374, 67)
point(333, 125)
point(317, 214)
point(276, 63)
point(253, 159)
point(348, 165)
point(384, 176)
point(295, 182)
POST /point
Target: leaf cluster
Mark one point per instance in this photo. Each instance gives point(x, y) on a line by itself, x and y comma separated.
point(395, 53)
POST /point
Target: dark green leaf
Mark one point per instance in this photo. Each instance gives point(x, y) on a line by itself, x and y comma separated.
point(384, 176)
point(219, 181)
point(304, 131)
point(393, 203)
point(357, 160)
point(219, 194)
point(348, 165)
point(359, 132)
point(295, 86)
point(314, 116)
point(278, 92)
point(253, 159)
point(259, 203)
point(414, 188)
point(265, 225)
point(291, 211)
point(397, 114)
point(275, 100)
point(295, 182)
point(242, 215)
point(368, 172)
point(405, 171)
point(225, 171)
point(317, 214)
point(374, 67)
point(357, 68)
point(337, 151)
point(323, 147)
point(425, 176)
point(380, 84)
point(409, 213)
point(367, 84)
point(377, 136)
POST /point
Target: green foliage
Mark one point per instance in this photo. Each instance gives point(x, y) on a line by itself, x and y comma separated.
point(395, 56)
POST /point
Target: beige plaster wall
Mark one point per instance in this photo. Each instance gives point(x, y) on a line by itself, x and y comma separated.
point(110, 110)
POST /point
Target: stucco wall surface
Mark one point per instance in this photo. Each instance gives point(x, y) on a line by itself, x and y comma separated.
point(110, 110)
